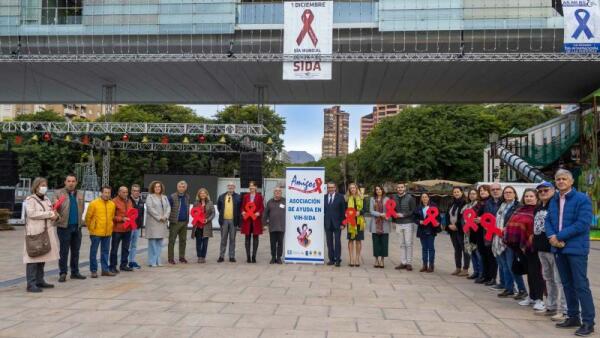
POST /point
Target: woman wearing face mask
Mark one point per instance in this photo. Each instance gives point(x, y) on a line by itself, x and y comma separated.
point(39, 216)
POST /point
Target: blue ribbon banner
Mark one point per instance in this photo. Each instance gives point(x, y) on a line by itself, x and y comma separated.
point(582, 21)
point(580, 30)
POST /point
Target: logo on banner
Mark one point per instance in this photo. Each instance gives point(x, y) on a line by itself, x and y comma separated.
point(307, 19)
point(306, 186)
point(582, 16)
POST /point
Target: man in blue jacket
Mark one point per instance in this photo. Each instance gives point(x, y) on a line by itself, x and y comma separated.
point(335, 210)
point(568, 230)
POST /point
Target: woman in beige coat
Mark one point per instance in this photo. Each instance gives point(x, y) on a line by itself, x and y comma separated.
point(157, 220)
point(39, 215)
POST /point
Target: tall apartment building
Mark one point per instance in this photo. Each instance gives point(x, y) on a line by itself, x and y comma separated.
point(336, 129)
point(88, 111)
point(380, 111)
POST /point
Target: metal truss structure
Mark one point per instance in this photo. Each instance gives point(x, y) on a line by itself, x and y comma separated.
point(133, 128)
point(340, 57)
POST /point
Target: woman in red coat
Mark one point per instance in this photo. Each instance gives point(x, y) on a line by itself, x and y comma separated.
point(252, 224)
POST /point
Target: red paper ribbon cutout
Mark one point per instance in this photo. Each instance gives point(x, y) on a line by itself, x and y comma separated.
point(59, 202)
point(390, 209)
point(432, 213)
point(488, 222)
point(469, 217)
point(307, 18)
point(132, 215)
point(249, 209)
point(350, 217)
point(318, 183)
point(198, 216)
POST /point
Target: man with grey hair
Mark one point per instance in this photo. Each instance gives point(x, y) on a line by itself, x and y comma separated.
point(228, 205)
point(178, 221)
point(568, 229)
point(274, 217)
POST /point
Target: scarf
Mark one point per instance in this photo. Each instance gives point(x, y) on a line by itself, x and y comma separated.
point(356, 203)
point(519, 228)
point(379, 220)
point(498, 245)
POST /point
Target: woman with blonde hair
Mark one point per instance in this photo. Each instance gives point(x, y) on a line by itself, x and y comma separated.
point(158, 209)
point(356, 231)
point(203, 230)
point(39, 218)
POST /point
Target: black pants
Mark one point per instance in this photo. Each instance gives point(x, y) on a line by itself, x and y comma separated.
point(254, 239)
point(488, 261)
point(117, 238)
point(334, 244)
point(35, 274)
point(462, 259)
point(535, 281)
point(70, 240)
point(276, 238)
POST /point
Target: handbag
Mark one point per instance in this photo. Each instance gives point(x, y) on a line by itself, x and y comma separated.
point(519, 265)
point(39, 244)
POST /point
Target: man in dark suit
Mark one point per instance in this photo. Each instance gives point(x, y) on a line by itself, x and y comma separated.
point(335, 209)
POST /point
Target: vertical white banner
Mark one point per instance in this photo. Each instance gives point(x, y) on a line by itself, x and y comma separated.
point(308, 31)
point(304, 231)
point(581, 26)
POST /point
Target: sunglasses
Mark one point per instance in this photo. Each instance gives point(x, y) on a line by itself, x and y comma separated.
point(544, 190)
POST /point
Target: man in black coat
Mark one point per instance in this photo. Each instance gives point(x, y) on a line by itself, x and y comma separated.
point(335, 209)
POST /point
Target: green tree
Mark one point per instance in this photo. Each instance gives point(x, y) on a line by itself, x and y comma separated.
point(48, 115)
point(521, 116)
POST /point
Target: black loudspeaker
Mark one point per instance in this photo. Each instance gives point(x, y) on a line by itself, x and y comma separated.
point(251, 169)
point(8, 169)
point(7, 198)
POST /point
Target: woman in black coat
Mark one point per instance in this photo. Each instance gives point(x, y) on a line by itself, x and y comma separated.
point(427, 232)
point(462, 259)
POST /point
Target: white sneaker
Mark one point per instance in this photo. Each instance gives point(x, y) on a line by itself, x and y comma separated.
point(525, 302)
point(539, 306)
point(559, 317)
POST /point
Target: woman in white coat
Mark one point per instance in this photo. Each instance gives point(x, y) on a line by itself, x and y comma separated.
point(158, 210)
point(39, 216)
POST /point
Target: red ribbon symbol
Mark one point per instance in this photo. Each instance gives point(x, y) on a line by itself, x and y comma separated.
point(198, 216)
point(350, 217)
point(59, 202)
point(488, 222)
point(249, 209)
point(390, 209)
point(470, 216)
point(132, 215)
point(318, 183)
point(432, 213)
point(307, 19)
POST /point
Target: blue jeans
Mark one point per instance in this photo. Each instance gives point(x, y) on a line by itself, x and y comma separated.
point(428, 249)
point(573, 274)
point(154, 250)
point(201, 243)
point(476, 260)
point(104, 243)
point(135, 234)
point(510, 257)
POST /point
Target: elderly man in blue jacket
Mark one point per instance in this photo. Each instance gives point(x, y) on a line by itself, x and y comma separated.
point(568, 229)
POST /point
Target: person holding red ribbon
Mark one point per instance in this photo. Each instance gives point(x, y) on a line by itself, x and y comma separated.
point(462, 259)
point(427, 216)
point(121, 234)
point(470, 237)
point(379, 224)
point(202, 214)
point(356, 225)
point(252, 210)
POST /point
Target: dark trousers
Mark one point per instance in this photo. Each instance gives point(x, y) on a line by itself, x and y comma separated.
point(201, 243)
point(488, 261)
point(573, 274)
point(276, 238)
point(34, 273)
point(70, 240)
point(334, 244)
point(428, 249)
point(535, 281)
point(461, 258)
point(254, 239)
point(123, 238)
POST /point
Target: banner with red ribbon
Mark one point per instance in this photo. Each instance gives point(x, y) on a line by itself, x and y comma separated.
point(132, 215)
point(469, 217)
point(432, 214)
point(390, 208)
point(198, 216)
point(350, 217)
point(250, 209)
point(488, 222)
point(307, 187)
point(307, 19)
point(59, 202)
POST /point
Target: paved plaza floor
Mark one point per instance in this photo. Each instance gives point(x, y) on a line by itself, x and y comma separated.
point(263, 300)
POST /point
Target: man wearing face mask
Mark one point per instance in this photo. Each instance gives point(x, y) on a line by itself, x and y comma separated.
point(69, 226)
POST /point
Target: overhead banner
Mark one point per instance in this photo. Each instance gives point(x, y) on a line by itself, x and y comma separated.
point(581, 26)
point(304, 231)
point(308, 32)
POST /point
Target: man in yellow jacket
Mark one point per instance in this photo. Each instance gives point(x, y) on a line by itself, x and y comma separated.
point(99, 221)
